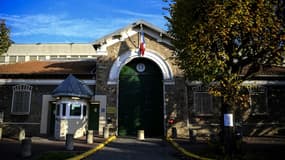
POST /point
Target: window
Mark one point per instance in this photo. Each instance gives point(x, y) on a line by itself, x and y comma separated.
point(21, 58)
point(12, 59)
point(64, 109)
point(2, 59)
point(33, 58)
point(62, 57)
point(58, 109)
point(203, 101)
point(75, 110)
point(71, 110)
point(53, 57)
point(258, 100)
point(42, 58)
point(84, 110)
point(21, 99)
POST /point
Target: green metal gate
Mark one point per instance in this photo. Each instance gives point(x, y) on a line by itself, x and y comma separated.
point(140, 99)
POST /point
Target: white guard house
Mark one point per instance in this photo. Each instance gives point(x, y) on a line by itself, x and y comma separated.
point(72, 103)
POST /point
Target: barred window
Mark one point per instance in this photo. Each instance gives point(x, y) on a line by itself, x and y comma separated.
point(21, 99)
point(33, 58)
point(42, 58)
point(21, 58)
point(12, 59)
point(258, 100)
point(2, 59)
point(203, 101)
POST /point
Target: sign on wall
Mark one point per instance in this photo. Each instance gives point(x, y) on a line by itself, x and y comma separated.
point(228, 120)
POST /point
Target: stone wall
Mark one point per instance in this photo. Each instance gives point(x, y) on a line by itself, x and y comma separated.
point(270, 124)
point(30, 122)
point(174, 93)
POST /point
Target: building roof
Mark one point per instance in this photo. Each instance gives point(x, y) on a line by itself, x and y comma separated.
point(50, 67)
point(51, 49)
point(72, 87)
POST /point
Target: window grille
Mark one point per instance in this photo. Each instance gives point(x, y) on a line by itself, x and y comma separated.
point(21, 58)
point(21, 99)
point(203, 101)
point(2, 59)
point(258, 100)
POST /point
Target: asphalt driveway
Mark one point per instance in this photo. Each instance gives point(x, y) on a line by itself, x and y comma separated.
point(130, 149)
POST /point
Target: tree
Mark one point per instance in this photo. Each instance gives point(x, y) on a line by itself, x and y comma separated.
point(5, 41)
point(227, 41)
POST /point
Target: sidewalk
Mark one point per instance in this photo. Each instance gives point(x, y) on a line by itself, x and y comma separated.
point(253, 148)
point(11, 148)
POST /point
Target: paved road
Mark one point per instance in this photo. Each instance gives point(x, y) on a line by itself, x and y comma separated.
point(132, 149)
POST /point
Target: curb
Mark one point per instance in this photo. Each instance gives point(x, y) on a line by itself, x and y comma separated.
point(184, 151)
point(91, 151)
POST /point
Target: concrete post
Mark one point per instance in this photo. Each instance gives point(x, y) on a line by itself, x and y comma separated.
point(192, 135)
point(90, 137)
point(69, 142)
point(26, 148)
point(106, 132)
point(1, 130)
point(140, 135)
point(22, 134)
point(173, 132)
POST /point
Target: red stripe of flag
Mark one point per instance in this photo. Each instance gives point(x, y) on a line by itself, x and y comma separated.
point(142, 44)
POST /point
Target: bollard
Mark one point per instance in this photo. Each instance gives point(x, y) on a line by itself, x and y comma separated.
point(26, 148)
point(140, 135)
point(90, 137)
point(173, 132)
point(22, 134)
point(106, 132)
point(1, 130)
point(192, 135)
point(69, 142)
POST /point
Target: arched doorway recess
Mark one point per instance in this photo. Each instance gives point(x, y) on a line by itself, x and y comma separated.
point(140, 103)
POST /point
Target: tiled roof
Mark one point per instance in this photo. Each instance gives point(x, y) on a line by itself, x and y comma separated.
point(50, 67)
point(71, 86)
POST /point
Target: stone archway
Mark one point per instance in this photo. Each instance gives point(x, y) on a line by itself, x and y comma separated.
point(130, 55)
point(161, 63)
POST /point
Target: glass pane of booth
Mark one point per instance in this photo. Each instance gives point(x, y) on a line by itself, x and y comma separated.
point(75, 110)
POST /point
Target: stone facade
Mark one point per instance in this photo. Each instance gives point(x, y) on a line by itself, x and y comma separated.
point(116, 50)
point(174, 94)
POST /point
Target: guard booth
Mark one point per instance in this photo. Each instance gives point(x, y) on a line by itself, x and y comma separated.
point(72, 105)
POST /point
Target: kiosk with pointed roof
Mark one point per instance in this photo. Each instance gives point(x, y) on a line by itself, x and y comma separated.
point(71, 108)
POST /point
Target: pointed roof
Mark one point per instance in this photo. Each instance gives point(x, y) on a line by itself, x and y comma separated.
point(149, 29)
point(71, 86)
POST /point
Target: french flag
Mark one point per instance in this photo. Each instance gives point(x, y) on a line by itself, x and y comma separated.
point(142, 44)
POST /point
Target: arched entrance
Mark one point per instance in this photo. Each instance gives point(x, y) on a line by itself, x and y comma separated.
point(140, 98)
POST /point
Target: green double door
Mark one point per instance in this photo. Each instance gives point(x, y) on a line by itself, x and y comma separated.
point(140, 99)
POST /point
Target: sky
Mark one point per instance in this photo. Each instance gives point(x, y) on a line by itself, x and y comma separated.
point(76, 21)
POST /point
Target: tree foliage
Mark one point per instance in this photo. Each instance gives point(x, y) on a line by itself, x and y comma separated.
point(219, 40)
point(5, 41)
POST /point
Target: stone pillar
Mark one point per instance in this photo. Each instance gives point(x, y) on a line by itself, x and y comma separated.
point(173, 132)
point(26, 148)
point(69, 142)
point(192, 135)
point(106, 132)
point(140, 135)
point(90, 137)
point(22, 134)
point(1, 130)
